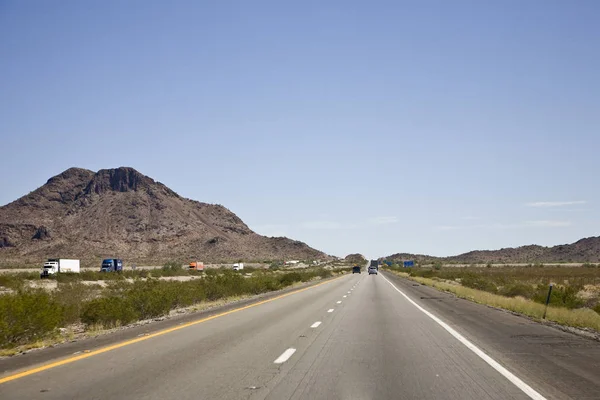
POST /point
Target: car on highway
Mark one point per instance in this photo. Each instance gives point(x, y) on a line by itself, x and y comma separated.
point(372, 270)
point(356, 270)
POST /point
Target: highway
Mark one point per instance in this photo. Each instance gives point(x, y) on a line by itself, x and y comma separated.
point(354, 337)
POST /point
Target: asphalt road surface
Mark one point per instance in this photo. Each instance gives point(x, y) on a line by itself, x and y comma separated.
point(355, 337)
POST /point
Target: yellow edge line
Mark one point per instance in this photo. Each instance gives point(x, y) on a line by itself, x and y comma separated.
point(155, 334)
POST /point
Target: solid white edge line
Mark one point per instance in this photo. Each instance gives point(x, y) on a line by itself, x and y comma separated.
point(285, 356)
point(528, 390)
point(316, 324)
point(330, 310)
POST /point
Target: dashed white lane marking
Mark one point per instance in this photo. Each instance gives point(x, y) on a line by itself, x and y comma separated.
point(316, 324)
point(285, 356)
point(339, 302)
point(330, 310)
point(528, 390)
point(345, 296)
point(348, 292)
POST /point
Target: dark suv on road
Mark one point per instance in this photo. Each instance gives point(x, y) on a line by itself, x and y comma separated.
point(356, 270)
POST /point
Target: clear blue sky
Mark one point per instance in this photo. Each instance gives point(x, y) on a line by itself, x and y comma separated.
point(375, 127)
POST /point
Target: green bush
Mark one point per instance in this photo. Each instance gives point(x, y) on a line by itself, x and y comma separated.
point(479, 283)
point(108, 311)
point(28, 316)
point(72, 297)
point(561, 296)
point(518, 289)
point(11, 281)
point(290, 278)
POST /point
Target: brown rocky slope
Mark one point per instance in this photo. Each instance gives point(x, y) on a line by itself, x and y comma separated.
point(122, 213)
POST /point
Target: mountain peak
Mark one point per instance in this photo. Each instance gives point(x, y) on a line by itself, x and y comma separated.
point(120, 212)
point(72, 173)
point(122, 179)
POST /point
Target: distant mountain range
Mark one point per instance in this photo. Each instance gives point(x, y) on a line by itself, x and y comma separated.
point(584, 250)
point(123, 213)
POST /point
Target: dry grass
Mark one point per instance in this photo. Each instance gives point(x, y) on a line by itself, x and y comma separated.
point(579, 318)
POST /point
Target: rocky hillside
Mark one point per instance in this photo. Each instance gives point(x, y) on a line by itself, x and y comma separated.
point(584, 250)
point(357, 259)
point(122, 213)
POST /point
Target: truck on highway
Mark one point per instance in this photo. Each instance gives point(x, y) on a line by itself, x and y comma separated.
point(374, 264)
point(56, 265)
point(238, 266)
point(197, 266)
point(111, 265)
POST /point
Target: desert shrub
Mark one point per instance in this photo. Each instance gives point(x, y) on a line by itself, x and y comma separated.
point(27, 316)
point(479, 283)
point(227, 284)
point(518, 289)
point(11, 281)
point(561, 296)
point(151, 298)
point(108, 311)
point(290, 278)
point(71, 297)
point(423, 273)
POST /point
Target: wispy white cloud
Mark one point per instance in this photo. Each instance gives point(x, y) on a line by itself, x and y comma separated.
point(326, 225)
point(555, 203)
point(470, 218)
point(383, 220)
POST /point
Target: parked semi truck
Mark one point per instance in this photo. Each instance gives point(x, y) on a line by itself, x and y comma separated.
point(197, 266)
point(56, 265)
point(238, 266)
point(111, 265)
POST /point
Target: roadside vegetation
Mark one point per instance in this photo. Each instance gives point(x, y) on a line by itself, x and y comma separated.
point(30, 315)
point(575, 298)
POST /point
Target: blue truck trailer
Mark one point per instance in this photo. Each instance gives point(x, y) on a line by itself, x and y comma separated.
point(112, 265)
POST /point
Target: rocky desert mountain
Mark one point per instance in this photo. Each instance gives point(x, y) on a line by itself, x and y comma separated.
point(582, 251)
point(123, 213)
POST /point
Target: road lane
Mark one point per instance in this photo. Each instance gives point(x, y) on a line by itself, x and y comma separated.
point(382, 347)
point(375, 344)
point(566, 366)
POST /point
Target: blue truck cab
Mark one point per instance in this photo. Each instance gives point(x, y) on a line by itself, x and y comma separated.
point(112, 265)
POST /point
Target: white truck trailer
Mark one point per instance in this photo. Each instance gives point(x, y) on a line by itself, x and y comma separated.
point(56, 265)
point(238, 266)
